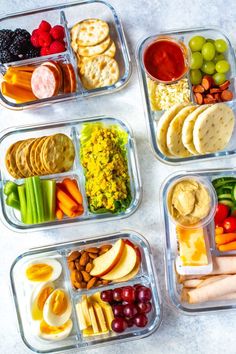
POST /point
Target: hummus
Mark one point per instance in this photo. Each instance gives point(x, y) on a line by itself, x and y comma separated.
point(189, 202)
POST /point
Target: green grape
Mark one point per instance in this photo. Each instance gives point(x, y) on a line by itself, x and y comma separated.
point(221, 45)
point(208, 67)
point(222, 66)
point(218, 57)
point(195, 76)
point(210, 40)
point(196, 60)
point(196, 43)
point(219, 78)
point(208, 51)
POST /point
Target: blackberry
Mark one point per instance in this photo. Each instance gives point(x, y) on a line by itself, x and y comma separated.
point(6, 56)
point(22, 33)
point(5, 38)
point(19, 46)
point(5, 32)
point(31, 53)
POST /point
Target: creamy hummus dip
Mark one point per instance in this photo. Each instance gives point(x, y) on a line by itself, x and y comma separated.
point(189, 202)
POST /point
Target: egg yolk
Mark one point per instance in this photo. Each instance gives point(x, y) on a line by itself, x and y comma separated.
point(39, 272)
point(43, 297)
point(45, 328)
point(59, 302)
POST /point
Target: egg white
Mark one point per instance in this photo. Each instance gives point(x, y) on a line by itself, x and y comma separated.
point(36, 313)
point(51, 318)
point(57, 269)
point(56, 336)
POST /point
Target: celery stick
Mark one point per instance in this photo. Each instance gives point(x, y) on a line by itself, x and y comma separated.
point(10, 187)
point(49, 198)
point(23, 205)
point(29, 213)
point(32, 200)
point(13, 200)
point(38, 194)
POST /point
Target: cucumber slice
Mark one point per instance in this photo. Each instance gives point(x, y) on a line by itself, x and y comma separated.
point(225, 196)
point(219, 182)
point(225, 189)
point(233, 193)
point(227, 202)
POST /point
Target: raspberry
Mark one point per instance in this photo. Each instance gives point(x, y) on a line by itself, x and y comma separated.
point(44, 51)
point(57, 47)
point(45, 26)
point(45, 39)
point(35, 41)
point(57, 32)
point(35, 33)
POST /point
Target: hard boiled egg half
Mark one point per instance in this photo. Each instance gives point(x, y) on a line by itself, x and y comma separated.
point(57, 308)
point(38, 299)
point(54, 332)
point(43, 270)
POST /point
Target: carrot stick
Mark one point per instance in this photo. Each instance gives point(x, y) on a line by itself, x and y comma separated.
point(72, 187)
point(65, 210)
point(231, 246)
point(59, 214)
point(225, 238)
point(68, 202)
point(219, 230)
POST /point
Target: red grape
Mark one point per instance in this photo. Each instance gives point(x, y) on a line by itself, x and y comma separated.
point(140, 320)
point(107, 295)
point(117, 294)
point(130, 310)
point(136, 286)
point(119, 325)
point(130, 322)
point(128, 294)
point(144, 294)
point(144, 307)
point(118, 310)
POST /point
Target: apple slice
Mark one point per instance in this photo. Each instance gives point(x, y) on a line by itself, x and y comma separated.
point(104, 263)
point(132, 274)
point(125, 264)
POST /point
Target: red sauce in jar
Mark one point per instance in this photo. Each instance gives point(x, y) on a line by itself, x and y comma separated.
point(164, 60)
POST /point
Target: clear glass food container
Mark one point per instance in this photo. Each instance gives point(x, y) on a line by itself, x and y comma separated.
point(67, 15)
point(75, 340)
point(170, 247)
point(72, 128)
point(152, 117)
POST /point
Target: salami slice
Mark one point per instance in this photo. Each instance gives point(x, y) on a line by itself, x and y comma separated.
point(45, 81)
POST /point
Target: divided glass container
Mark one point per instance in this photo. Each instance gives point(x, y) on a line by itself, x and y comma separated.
point(21, 291)
point(152, 117)
point(170, 246)
point(67, 15)
point(72, 129)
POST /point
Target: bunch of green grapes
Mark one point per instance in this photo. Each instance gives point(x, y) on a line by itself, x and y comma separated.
point(207, 57)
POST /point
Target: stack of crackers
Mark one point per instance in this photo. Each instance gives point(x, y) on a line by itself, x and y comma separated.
point(95, 51)
point(186, 130)
point(40, 156)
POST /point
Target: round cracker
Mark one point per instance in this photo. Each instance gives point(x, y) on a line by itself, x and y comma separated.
point(163, 125)
point(90, 32)
point(174, 133)
point(90, 51)
point(37, 157)
point(10, 160)
point(187, 131)
point(111, 50)
point(213, 128)
point(58, 153)
point(21, 157)
point(100, 71)
point(33, 156)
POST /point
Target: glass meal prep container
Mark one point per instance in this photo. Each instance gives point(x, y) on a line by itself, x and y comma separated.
point(11, 217)
point(68, 15)
point(59, 252)
point(173, 283)
point(153, 116)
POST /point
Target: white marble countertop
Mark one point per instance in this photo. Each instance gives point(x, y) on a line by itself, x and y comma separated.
point(178, 334)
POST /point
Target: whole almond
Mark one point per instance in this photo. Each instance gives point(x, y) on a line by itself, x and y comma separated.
point(91, 282)
point(79, 277)
point(89, 267)
point(71, 265)
point(73, 256)
point(86, 276)
point(83, 285)
point(78, 266)
point(99, 282)
point(92, 250)
point(93, 255)
point(84, 259)
point(105, 282)
point(77, 285)
point(73, 276)
point(104, 249)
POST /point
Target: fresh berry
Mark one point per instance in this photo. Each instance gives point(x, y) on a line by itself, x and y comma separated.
point(21, 32)
point(6, 32)
point(31, 53)
point(44, 51)
point(57, 32)
point(45, 26)
point(140, 320)
point(144, 307)
point(128, 294)
point(19, 46)
point(6, 56)
point(119, 325)
point(35, 41)
point(118, 310)
point(117, 294)
point(144, 294)
point(5, 41)
point(57, 47)
point(130, 310)
point(45, 39)
point(107, 295)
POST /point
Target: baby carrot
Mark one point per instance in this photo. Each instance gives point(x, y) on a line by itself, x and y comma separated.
point(225, 238)
point(68, 202)
point(227, 247)
point(71, 186)
point(219, 230)
point(65, 210)
point(59, 214)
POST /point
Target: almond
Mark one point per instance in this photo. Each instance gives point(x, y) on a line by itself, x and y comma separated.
point(92, 250)
point(105, 282)
point(89, 267)
point(73, 256)
point(84, 259)
point(86, 276)
point(83, 285)
point(105, 248)
point(78, 266)
point(91, 282)
point(73, 276)
point(93, 255)
point(71, 265)
point(79, 277)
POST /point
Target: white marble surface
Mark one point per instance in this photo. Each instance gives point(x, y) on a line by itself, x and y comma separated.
point(178, 333)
